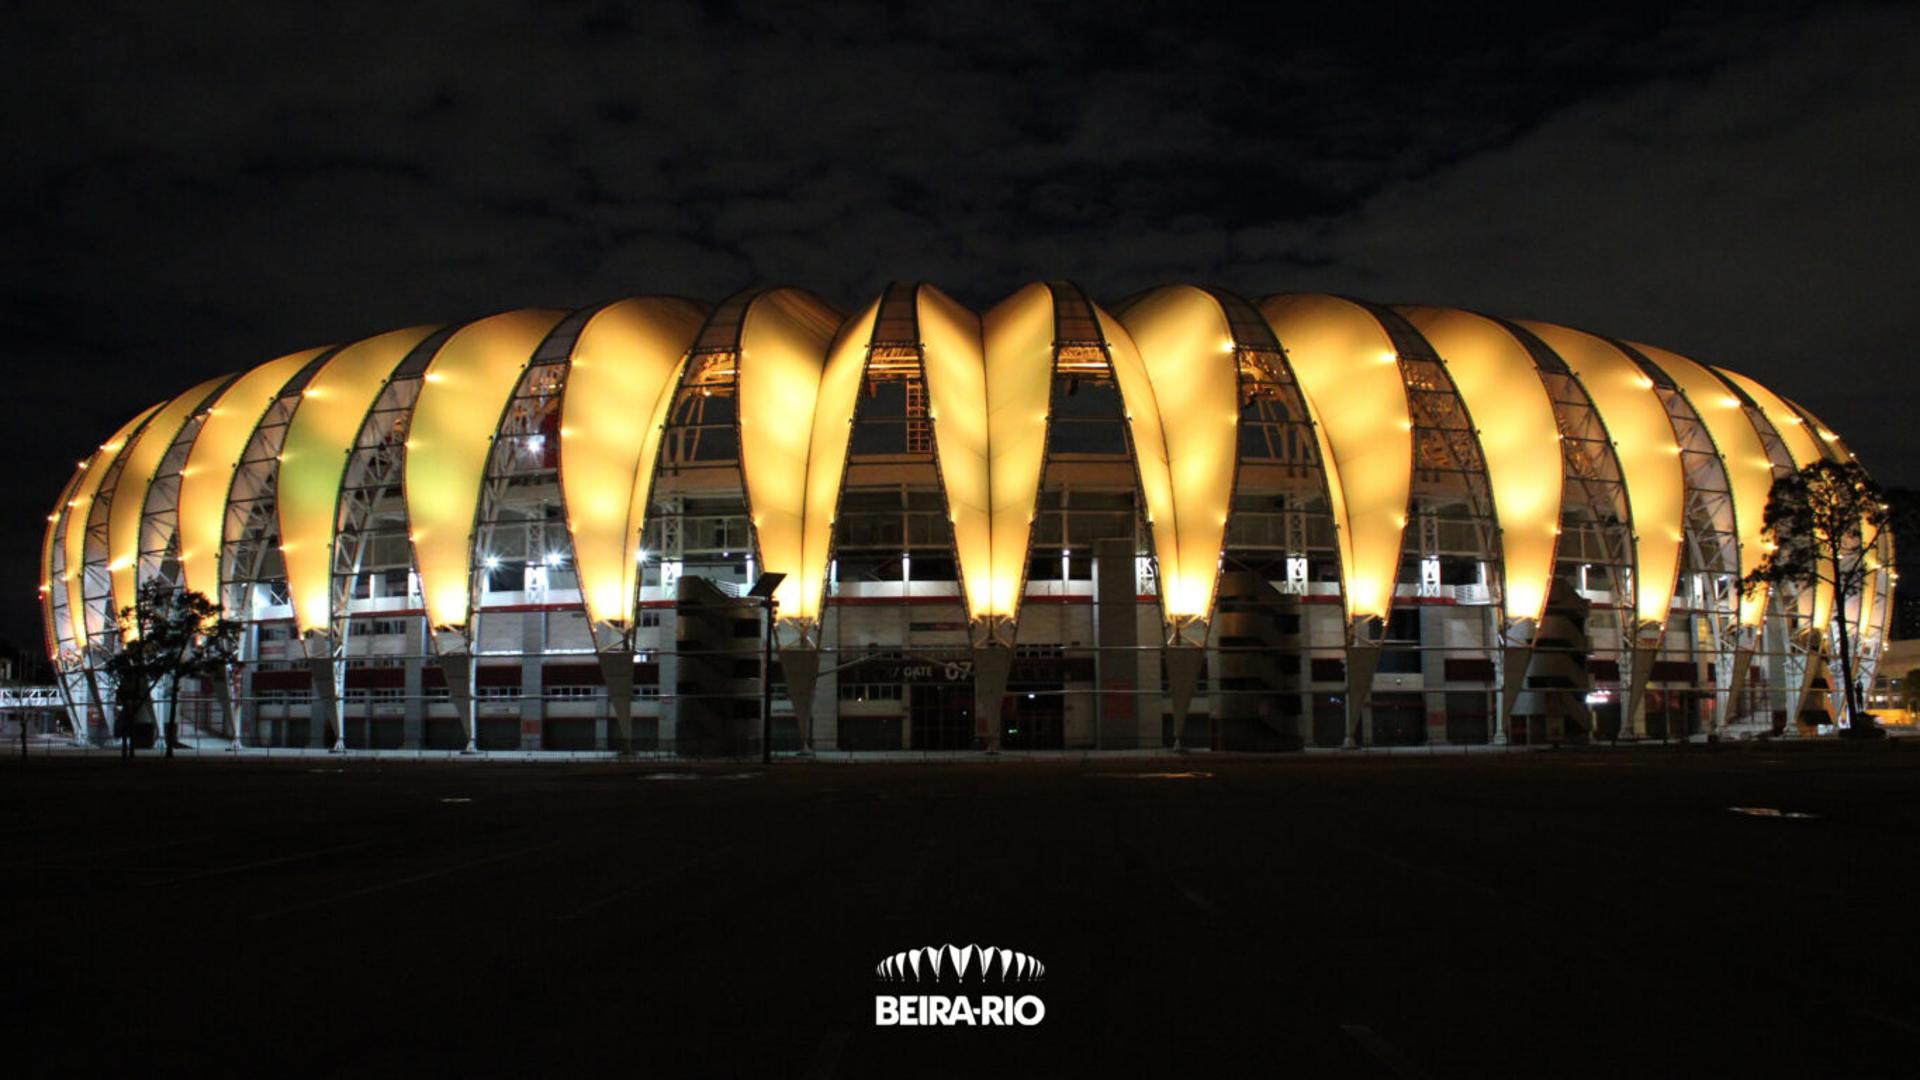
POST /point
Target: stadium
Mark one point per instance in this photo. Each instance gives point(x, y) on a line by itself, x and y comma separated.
point(1183, 520)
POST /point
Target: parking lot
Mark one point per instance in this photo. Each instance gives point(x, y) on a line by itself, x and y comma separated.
point(1733, 910)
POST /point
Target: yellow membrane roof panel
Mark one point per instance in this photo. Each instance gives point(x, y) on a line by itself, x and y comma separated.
point(78, 508)
point(467, 386)
point(626, 362)
point(1649, 456)
point(313, 461)
point(1180, 592)
point(1018, 332)
point(1749, 469)
point(1349, 369)
point(1800, 443)
point(1519, 436)
point(207, 477)
point(954, 357)
point(827, 453)
point(1879, 554)
point(1803, 448)
point(783, 352)
point(48, 545)
point(1187, 348)
point(130, 493)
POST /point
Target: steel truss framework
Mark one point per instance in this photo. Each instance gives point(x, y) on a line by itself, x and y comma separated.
point(1179, 431)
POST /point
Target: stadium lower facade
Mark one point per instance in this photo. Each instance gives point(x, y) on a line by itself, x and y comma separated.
point(1185, 519)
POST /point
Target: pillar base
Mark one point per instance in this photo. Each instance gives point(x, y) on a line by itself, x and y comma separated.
point(1362, 662)
point(616, 671)
point(1183, 678)
point(801, 665)
point(1513, 681)
point(991, 666)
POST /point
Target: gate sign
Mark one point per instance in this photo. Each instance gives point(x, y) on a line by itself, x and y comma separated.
point(914, 669)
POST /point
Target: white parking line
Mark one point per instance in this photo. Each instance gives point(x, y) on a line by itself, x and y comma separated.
point(1201, 902)
point(1898, 1023)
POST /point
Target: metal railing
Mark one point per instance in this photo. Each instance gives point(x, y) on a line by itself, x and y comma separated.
point(30, 697)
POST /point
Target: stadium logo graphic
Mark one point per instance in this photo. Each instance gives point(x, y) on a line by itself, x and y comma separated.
point(959, 965)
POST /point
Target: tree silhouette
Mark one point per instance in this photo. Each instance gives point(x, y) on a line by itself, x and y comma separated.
point(175, 635)
point(1821, 524)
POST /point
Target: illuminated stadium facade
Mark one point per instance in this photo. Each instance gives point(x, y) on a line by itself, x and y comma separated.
point(1309, 521)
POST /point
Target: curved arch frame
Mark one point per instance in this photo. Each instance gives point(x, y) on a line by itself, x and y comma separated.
point(1711, 532)
point(1183, 328)
point(597, 432)
point(1348, 369)
point(153, 467)
point(1598, 523)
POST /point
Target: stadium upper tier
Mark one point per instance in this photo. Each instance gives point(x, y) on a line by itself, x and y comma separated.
point(1539, 421)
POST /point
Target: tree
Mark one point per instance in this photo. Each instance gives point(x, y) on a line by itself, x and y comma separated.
point(179, 634)
point(141, 661)
point(1821, 523)
point(1910, 691)
point(211, 655)
point(1904, 521)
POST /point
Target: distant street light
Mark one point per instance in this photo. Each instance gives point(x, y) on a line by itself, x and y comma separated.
point(762, 593)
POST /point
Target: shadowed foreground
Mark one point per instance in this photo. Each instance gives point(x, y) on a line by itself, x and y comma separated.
point(1547, 914)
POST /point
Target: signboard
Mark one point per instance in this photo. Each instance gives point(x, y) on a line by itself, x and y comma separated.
point(913, 669)
point(959, 669)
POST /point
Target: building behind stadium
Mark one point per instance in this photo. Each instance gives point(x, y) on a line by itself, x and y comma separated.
point(1307, 521)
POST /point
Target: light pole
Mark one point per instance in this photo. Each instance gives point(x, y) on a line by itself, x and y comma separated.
point(762, 592)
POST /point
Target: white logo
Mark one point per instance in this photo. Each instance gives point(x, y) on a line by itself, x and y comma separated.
point(935, 961)
point(959, 964)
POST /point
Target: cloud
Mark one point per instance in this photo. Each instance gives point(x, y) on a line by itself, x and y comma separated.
point(195, 187)
point(1759, 218)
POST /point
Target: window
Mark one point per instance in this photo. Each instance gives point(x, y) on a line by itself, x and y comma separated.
point(934, 568)
point(1327, 669)
point(872, 692)
point(380, 693)
point(650, 618)
point(286, 697)
point(506, 575)
point(1055, 564)
point(858, 565)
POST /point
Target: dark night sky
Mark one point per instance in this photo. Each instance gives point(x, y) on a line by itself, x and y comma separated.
point(191, 189)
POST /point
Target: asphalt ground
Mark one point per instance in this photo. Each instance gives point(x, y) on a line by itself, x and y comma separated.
point(1568, 913)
